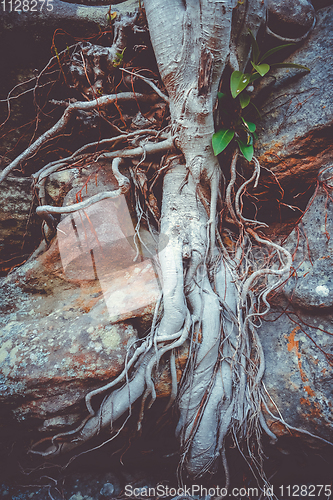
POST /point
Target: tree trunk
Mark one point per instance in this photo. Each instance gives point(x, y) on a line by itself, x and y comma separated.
point(193, 45)
point(206, 294)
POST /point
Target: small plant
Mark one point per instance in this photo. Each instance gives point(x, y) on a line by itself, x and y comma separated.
point(241, 130)
point(118, 59)
point(111, 16)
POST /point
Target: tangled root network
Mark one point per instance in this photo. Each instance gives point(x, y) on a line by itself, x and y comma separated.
point(215, 283)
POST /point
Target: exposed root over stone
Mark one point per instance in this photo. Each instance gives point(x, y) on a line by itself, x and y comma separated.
point(213, 296)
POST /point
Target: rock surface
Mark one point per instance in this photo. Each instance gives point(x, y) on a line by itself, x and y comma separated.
point(290, 19)
point(297, 114)
point(57, 340)
point(311, 285)
point(19, 226)
point(297, 334)
point(68, 316)
point(298, 350)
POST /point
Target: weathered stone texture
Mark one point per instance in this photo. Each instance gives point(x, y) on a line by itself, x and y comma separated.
point(68, 316)
point(297, 113)
point(290, 19)
point(297, 334)
point(57, 340)
point(18, 226)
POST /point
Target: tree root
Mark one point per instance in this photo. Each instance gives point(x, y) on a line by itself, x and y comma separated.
point(119, 401)
point(212, 296)
point(123, 183)
point(150, 83)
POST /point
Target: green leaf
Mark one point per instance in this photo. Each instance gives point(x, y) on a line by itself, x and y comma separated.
point(244, 99)
point(262, 69)
point(221, 139)
point(272, 51)
point(246, 150)
point(255, 48)
point(250, 126)
point(238, 82)
point(290, 65)
point(221, 95)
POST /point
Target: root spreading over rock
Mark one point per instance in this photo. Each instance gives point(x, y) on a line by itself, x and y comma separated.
point(212, 295)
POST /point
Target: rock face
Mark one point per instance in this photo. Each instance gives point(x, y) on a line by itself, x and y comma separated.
point(295, 143)
point(57, 340)
point(297, 334)
point(298, 351)
point(68, 316)
point(311, 285)
point(290, 19)
point(19, 226)
point(297, 114)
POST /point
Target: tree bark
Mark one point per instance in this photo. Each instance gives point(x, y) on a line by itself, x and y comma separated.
point(204, 296)
point(192, 41)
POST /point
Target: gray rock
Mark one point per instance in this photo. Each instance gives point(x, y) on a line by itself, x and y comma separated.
point(297, 334)
point(57, 341)
point(298, 349)
point(297, 113)
point(290, 19)
point(311, 284)
point(19, 231)
point(68, 315)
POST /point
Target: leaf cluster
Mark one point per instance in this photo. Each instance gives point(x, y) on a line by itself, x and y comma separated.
point(241, 130)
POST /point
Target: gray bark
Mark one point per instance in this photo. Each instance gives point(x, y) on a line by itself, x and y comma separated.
point(192, 48)
point(194, 41)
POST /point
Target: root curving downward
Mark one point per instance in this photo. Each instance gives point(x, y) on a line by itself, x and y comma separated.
point(213, 296)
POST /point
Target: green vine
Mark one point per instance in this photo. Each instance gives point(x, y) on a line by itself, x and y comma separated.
point(232, 104)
